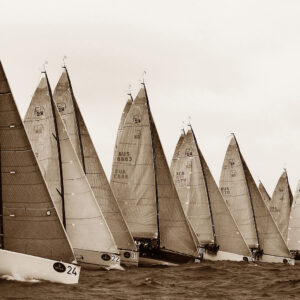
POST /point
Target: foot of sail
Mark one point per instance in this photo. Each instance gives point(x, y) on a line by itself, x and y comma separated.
point(27, 267)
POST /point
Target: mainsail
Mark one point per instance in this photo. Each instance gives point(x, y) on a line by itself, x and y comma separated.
point(247, 206)
point(29, 223)
point(82, 142)
point(85, 224)
point(294, 226)
point(146, 193)
point(280, 204)
point(201, 199)
point(264, 193)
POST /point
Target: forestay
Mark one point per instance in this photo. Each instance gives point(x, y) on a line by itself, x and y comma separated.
point(95, 174)
point(269, 237)
point(85, 224)
point(191, 173)
point(294, 226)
point(30, 222)
point(280, 204)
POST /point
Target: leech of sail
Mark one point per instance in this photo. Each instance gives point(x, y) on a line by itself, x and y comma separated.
point(206, 188)
point(62, 192)
point(77, 121)
point(250, 196)
point(154, 164)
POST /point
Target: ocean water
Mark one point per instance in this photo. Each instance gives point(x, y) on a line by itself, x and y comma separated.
point(205, 280)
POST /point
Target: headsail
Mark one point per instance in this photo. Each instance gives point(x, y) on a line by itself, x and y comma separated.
point(294, 226)
point(85, 223)
point(82, 142)
point(30, 222)
point(195, 183)
point(146, 193)
point(264, 193)
point(280, 204)
point(247, 206)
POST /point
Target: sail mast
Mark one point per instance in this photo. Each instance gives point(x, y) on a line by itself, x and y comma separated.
point(61, 192)
point(77, 121)
point(206, 188)
point(1, 205)
point(251, 201)
point(154, 165)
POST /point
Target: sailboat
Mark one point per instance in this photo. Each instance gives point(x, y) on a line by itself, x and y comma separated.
point(69, 111)
point(249, 209)
point(293, 240)
point(217, 233)
point(146, 192)
point(264, 193)
point(33, 242)
point(91, 239)
point(280, 204)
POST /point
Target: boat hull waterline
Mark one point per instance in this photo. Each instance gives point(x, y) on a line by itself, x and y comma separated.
point(28, 267)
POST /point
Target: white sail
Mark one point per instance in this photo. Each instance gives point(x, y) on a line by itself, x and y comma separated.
point(280, 204)
point(147, 176)
point(31, 234)
point(294, 226)
point(82, 142)
point(85, 224)
point(241, 193)
point(197, 191)
point(264, 193)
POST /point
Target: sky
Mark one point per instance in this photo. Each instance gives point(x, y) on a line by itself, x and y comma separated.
point(225, 65)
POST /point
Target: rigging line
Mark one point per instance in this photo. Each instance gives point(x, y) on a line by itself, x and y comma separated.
point(250, 196)
point(206, 187)
point(77, 120)
point(154, 163)
point(62, 193)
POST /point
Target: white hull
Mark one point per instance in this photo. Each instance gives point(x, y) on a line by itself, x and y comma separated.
point(129, 257)
point(277, 259)
point(221, 255)
point(97, 260)
point(27, 267)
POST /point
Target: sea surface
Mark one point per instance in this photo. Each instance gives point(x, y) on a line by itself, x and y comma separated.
point(205, 280)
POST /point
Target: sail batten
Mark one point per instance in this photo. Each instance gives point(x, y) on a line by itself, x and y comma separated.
point(85, 223)
point(236, 193)
point(30, 226)
point(88, 157)
point(191, 172)
point(147, 183)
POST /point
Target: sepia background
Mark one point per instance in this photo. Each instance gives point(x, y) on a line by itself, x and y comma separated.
point(231, 66)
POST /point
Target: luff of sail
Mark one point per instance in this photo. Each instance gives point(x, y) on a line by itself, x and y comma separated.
point(86, 227)
point(140, 157)
point(86, 152)
point(191, 173)
point(264, 193)
point(280, 204)
point(30, 223)
point(293, 240)
point(236, 178)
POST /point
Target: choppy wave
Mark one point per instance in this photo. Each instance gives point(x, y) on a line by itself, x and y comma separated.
point(205, 280)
